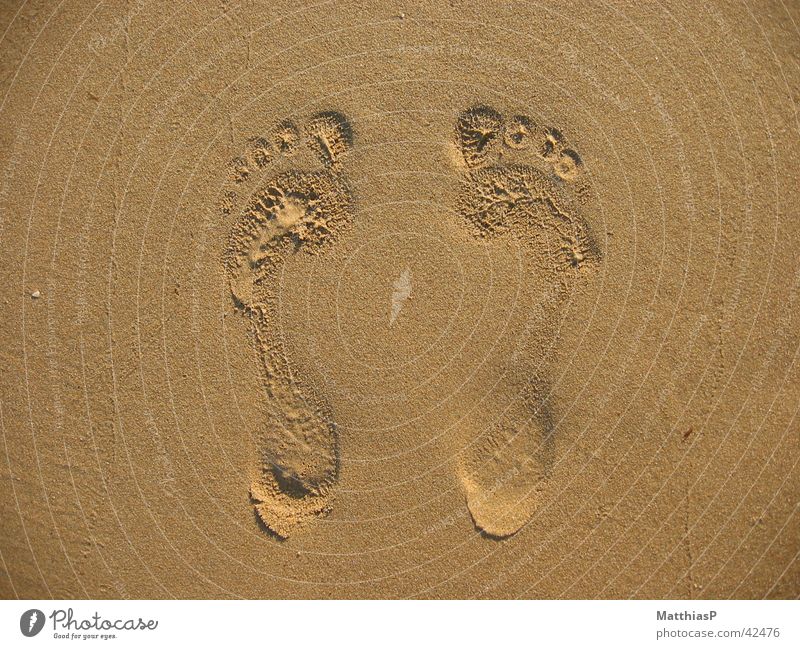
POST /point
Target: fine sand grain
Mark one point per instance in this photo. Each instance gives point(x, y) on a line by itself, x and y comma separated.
point(400, 299)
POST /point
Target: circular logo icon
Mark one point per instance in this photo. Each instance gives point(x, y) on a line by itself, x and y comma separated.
point(31, 622)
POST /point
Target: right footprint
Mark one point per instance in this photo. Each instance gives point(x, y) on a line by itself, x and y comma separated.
point(523, 180)
point(289, 211)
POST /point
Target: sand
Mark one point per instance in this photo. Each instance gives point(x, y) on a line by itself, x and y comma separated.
point(400, 299)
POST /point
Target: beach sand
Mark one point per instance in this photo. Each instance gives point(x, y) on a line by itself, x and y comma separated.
point(400, 300)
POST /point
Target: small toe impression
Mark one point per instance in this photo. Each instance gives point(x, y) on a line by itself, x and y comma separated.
point(519, 132)
point(568, 165)
point(286, 137)
point(479, 128)
point(551, 144)
point(259, 152)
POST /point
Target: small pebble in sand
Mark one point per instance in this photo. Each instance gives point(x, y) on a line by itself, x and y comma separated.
point(36, 295)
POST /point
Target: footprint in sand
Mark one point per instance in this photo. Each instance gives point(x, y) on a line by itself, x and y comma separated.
point(523, 180)
point(518, 179)
point(291, 211)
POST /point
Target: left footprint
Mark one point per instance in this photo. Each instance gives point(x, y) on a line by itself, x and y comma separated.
point(292, 211)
